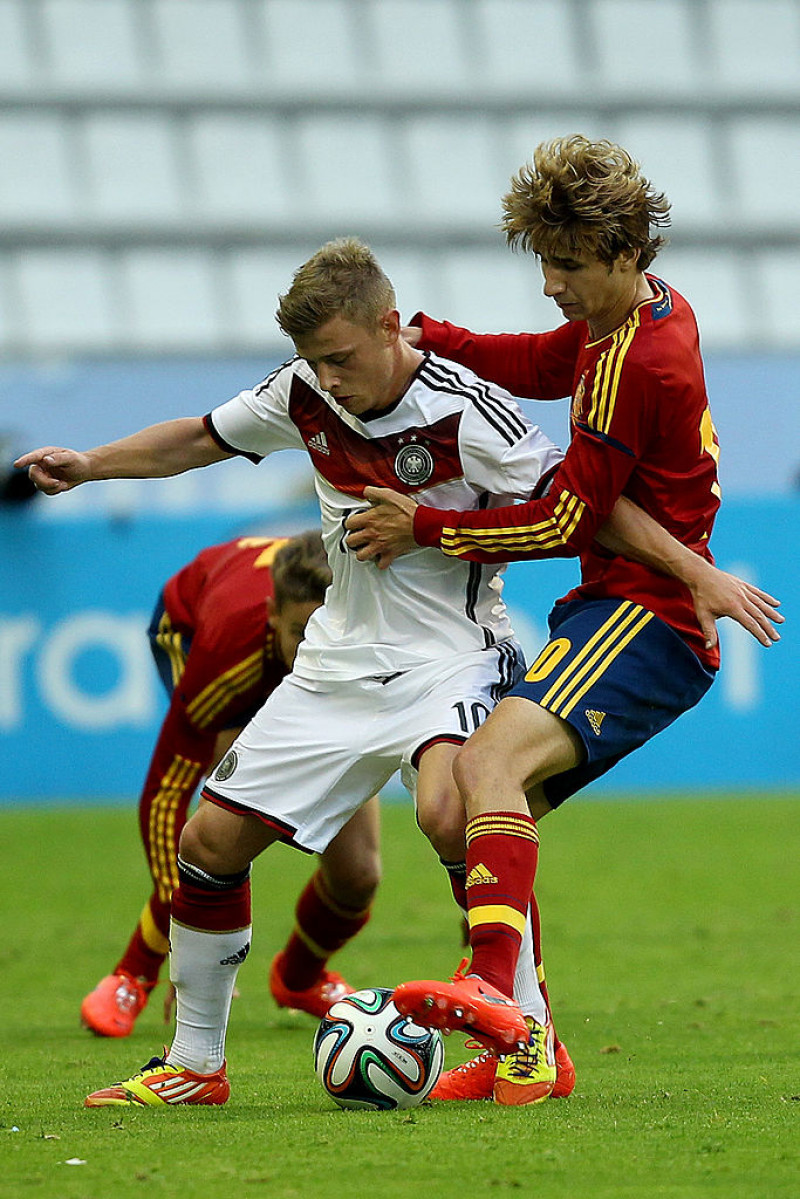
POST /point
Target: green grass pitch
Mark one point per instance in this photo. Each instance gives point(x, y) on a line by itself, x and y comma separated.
point(671, 939)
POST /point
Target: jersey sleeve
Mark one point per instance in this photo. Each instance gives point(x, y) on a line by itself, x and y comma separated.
point(537, 366)
point(502, 452)
point(606, 445)
point(256, 422)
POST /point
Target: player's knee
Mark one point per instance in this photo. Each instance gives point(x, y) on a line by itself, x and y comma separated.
point(471, 768)
point(201, 845)
point(443, 822)
point(355, 888)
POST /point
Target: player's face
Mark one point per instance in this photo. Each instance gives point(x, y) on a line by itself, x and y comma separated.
point(289, 625)
point(360, 367)
point(587, 289)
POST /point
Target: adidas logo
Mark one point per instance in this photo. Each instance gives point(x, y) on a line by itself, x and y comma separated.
point(595, 720)
point(318, 442)
point(479, 874)
point(236, 959)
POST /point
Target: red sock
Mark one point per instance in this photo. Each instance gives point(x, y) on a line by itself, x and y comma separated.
point(537, 959)
point(321, 927)
point(502, 854)
point(149, 945)
point(209, 906)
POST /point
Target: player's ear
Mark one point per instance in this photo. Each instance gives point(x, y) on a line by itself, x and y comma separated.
point(390, 324)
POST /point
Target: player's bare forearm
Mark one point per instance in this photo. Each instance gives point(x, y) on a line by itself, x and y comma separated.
point(631, 532)
point(385, 530)
point(161, 450)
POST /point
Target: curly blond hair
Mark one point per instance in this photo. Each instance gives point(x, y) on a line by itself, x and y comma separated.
point(581, 198)
point(343, 278)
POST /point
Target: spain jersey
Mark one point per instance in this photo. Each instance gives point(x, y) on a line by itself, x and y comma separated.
point(218, 603)
point(450, 440)
point(640, 426)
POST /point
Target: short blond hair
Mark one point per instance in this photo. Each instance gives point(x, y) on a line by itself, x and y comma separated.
point(300, 570)
point(343, 278)
point(578, 198)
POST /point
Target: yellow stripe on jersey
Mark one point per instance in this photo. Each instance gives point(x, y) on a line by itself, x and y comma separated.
point(171, 641)
point(606, 376)
point(625, 622)
point(547, 534)
point(497, 913)
point(181, 777)
point(217, 695)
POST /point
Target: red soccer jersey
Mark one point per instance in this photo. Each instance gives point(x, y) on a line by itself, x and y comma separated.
point(641, 427)
point(219, 599)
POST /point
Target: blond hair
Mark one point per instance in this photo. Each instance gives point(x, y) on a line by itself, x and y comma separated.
point(344, 279)
point(580, 198)
point(300, 570)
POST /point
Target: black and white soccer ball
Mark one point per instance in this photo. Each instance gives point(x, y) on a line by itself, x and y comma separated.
point(368, 1055)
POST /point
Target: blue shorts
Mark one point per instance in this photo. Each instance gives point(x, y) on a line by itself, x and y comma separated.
point(618, 675)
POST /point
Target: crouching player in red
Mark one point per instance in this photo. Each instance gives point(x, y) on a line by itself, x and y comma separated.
point(224, 633)
point(627, 653)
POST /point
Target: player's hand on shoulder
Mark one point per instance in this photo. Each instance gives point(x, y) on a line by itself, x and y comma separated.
point(53, 469)
point(385, 530)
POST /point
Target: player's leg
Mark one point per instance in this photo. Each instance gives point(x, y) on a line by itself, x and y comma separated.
point(180, 757)
point(334, 905)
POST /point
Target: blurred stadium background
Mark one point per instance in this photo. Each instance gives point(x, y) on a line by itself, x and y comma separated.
point(166, 164)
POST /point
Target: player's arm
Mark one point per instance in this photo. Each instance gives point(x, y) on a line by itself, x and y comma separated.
point(634, 534)
point(161, 450)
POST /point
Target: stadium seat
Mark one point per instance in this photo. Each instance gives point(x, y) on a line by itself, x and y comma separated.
point(133, 168)
point(495, 291)
point(765, 168)
point(527, 45)
point(239, 167)
point(715, 284)
point(66, 299)
point(17, 62)
point(313, 46)
point(111, 59)
point(677, 151)
point(455, 171)
point(35, 147)
point(172, 299)
point(203, 46)
point(419, 44)
point(775, 321)
point(755, 45)
point(345, 171)
point(650, 47)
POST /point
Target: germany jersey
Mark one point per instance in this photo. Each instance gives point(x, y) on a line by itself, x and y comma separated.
point(452, 440)
point(640, 426)
point(218, 602)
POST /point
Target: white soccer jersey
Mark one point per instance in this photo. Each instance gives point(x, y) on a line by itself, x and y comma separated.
point(451, 441)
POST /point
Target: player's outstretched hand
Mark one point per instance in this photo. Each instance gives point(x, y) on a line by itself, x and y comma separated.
point(53, 469)
point(385, 530)
point(717, 593)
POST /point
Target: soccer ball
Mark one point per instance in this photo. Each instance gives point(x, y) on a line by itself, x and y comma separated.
point(368, 1055)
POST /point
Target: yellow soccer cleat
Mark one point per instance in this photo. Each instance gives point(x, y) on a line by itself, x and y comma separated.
point(160, 1085)
point(529, 1074)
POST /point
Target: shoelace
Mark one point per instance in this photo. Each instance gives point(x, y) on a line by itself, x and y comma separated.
point(474, 1062)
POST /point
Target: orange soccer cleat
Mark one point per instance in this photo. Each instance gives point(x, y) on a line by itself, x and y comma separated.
point(465, 1003)
point(315, 999)
point(160, 1085)
point(110, 1010)
point(475, 1079)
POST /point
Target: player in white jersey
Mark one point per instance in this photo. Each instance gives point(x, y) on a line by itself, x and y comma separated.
point(399, 665)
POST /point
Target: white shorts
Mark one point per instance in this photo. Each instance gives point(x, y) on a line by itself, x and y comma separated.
point(316, 752)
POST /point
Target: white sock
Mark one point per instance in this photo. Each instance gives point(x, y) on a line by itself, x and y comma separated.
point(203, 968)
point(527, 993)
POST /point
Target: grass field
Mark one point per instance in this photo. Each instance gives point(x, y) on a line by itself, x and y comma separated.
point(672, 931)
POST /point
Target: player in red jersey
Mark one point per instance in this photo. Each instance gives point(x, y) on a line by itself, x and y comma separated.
point(224, 633)
point(627, 653)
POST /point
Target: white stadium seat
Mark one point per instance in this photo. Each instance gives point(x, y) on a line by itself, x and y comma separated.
point(66, 299)
point(419, 44)
point(202, 45)
point(527, 45)
point(172, 299)
point(648, 46)
point(239, 167)
point(17, 61)
point(345, 170)
point(133, 168)
point(676, 153)
point(34, 148)
point(311, 46)
point(765, 168)
point(111, 57)
point(714, 284)
point(756, 45)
